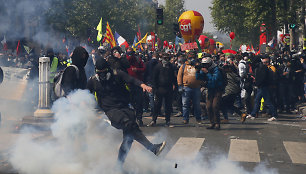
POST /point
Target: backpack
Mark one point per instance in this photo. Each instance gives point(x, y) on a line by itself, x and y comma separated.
point(58, 89)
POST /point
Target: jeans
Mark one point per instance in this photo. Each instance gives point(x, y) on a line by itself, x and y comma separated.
point(194, 95)
point(124, 118)
point(227, 103)
point(263, 92)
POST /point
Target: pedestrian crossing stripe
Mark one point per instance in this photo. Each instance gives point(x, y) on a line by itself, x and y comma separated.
point(296, 151)
point(185, 148)
point(241, 150)
point(244, 151)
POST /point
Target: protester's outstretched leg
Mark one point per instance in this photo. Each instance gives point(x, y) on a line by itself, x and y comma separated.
point(125, 147)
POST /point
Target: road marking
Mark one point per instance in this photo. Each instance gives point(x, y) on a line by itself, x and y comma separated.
point(186, 148)
point(296, 151)
point(244, 151)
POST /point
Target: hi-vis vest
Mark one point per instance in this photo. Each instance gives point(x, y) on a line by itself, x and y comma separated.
point(53, 69)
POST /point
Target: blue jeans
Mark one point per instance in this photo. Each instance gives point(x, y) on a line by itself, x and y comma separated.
point(194, 95)
point(263, 92)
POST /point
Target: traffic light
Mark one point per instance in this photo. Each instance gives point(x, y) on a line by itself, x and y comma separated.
point(292, 26)
point(159, 16)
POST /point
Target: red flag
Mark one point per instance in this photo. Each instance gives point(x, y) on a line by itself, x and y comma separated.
point(153, 41)
point(138, 33)
point(17, 49)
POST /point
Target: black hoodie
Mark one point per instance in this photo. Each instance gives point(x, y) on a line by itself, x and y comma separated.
point(70, 81)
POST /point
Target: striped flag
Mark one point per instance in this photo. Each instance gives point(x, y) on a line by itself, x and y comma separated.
point(109, 36)
point(120, 40)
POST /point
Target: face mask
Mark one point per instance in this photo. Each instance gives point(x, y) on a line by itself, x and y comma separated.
point(164, 62)
point(104, 76)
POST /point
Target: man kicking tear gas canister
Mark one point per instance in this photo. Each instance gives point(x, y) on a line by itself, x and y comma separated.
point(113, 98)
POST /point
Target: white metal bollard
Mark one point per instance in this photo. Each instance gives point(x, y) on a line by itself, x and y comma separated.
point(44, 88)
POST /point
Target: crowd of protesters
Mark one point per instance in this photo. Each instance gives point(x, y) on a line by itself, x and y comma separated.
point(244, 83)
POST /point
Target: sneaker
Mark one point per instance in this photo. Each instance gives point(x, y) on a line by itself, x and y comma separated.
point(250, 117)
point(212, 126)
point(224, 121)
point(179, 114)
point(199, 122)
point(272, 119)
point(158, 148)
point(185, 121)
point(243, 117)
point(151, 124)
point(217, 127)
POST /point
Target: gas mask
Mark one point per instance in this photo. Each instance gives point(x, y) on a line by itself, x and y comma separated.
point(103, 75)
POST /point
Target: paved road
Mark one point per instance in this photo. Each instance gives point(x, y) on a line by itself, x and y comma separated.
point(278, 145)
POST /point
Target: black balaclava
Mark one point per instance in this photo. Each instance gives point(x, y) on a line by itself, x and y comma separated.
point(79, 57)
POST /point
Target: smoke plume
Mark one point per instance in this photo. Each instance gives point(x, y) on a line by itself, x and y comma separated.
point(82, 142)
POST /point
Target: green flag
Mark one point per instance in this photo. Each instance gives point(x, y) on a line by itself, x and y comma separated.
point(99, 28)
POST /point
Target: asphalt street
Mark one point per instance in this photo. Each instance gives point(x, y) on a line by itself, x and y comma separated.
point(279, 145)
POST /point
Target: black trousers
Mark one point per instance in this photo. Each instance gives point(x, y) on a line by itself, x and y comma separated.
point(124, 118)
point(137, 98)
point(163, 94)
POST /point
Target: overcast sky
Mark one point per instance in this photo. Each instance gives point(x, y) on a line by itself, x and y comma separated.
point(202, 7)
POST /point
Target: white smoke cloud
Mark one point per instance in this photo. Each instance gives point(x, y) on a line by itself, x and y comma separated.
point(82, 143)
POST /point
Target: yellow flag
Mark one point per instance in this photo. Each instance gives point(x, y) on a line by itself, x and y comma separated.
point(143, 40)
point(99, 28)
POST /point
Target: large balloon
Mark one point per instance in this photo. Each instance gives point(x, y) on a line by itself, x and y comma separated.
point(232, 35)
point(191, 25)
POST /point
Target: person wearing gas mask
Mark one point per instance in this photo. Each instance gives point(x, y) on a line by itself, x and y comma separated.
point(164, 82)
point(136, 70)
point(189, 86)
point(117, 60)
point(113, 99)
point(215, 83)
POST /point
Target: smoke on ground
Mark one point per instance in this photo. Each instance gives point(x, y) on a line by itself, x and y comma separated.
point(83, 142)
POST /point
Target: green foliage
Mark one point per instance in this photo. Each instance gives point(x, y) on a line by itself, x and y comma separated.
point(75, 17)
point(244, 17)
point(172, 11)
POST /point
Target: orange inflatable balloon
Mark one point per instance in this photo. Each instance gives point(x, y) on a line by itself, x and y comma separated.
point(191, 25)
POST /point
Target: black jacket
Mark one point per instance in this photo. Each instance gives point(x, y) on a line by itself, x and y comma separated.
point(164, 77)
point(112, 94)
point(148, 75)
point(262, 76)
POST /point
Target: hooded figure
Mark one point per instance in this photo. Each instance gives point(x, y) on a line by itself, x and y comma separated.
point(117, 60)
point(75, 78)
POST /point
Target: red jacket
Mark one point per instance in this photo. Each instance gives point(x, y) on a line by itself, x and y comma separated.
point(137, 67)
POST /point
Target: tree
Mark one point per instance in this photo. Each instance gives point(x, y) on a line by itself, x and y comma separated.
point(172, 11)
point(246, 16)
